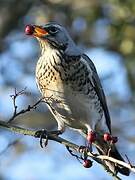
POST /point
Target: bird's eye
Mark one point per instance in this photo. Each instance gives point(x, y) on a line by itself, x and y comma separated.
point(53, 30)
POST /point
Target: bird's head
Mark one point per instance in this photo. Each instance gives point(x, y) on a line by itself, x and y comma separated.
point(54, 36)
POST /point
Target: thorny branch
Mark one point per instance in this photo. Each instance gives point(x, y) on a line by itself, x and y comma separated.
point(71, 147)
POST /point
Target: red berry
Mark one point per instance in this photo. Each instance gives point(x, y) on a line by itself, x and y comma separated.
point(107, 137)
point(87, 163)
point(91, 137)
point(29, 29)
point(114, 139)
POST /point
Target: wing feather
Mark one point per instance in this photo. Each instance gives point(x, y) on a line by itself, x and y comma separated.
point(99, 90)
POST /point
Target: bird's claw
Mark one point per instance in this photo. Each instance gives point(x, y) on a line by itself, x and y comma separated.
point(82, 149)
point(43, 135)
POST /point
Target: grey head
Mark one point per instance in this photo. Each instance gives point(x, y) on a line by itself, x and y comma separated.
point(57, 37)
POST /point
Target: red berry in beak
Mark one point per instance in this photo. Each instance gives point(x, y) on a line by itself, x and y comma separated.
point(87, 163)
point(29, 30)
point(114, 139)
point(91, 137)
point(107, 137)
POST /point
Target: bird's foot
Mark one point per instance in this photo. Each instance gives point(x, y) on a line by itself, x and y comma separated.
point(44, 136)
point(83, 150)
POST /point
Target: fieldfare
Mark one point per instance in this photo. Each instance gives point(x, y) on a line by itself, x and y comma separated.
point(68, 78)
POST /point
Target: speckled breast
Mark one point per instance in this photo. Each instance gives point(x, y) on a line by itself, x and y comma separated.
point(68, 88)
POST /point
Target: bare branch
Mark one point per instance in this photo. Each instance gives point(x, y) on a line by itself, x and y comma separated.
point(124, 164)
point(29, 107)
point(14, 97)
point(74, 147)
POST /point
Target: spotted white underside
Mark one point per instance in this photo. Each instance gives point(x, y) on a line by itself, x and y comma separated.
point(70, 107)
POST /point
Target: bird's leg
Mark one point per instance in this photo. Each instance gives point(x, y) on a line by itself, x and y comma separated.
point(43, 135)
point(91, 137)
point(111, 140)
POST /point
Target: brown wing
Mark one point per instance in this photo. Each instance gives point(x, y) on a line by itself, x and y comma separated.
point(99, 90)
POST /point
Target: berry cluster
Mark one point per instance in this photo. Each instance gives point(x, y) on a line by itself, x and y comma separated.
point(91, 137)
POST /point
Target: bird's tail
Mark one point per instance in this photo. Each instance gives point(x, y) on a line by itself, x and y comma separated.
point(105, 149)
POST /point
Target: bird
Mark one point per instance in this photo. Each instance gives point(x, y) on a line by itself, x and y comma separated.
point(68, 78)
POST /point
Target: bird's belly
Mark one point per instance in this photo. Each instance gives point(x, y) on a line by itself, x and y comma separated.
point(73, 108)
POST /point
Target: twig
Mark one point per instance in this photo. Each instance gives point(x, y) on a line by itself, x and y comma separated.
point(129, 162)
point(124, 164)
point(76, 156)
point(29, 107)
point(74, 147)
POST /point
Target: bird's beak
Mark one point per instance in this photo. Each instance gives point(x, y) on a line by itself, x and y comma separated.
point(39, 31)
point(34, 30)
